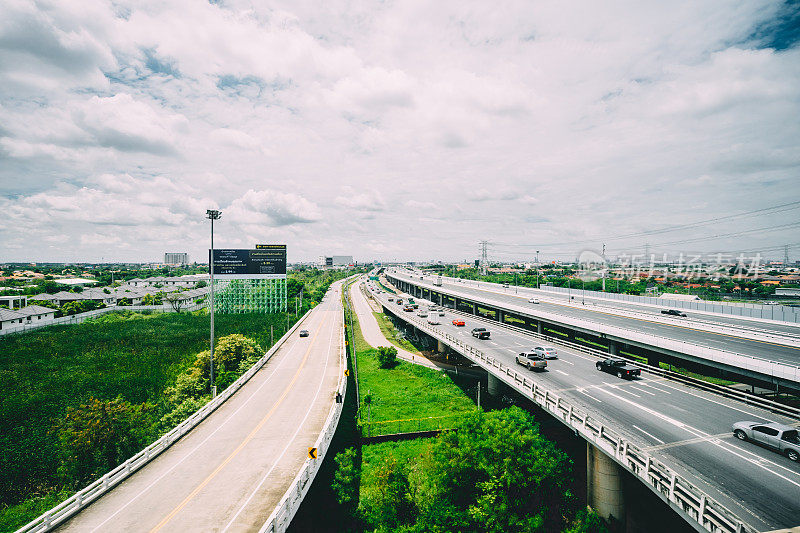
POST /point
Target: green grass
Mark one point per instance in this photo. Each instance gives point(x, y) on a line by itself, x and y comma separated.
point(44, 372)
point(406, 391)
point(390, 332)
point(404, 452)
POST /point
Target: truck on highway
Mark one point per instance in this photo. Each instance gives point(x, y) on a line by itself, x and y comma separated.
point(779, 437)
point(437, 281)
point(480, 333)
point(532, 361)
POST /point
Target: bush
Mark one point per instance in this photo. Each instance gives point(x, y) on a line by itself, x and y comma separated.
point(347, 479)
point(183, 411)
point(98, 435)
point(387, 356)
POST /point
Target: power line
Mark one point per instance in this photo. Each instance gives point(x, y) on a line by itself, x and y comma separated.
point(758, 212)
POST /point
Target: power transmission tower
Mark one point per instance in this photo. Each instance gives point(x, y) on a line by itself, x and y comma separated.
point(484, 260)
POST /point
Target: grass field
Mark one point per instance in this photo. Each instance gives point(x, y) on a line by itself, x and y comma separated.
point(390, 332)
point(407, 391)
point(44, 372)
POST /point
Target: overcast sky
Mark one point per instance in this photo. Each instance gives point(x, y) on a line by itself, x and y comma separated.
point(395, 130)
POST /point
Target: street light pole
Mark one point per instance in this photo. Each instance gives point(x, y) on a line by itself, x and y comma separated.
point(213, 215)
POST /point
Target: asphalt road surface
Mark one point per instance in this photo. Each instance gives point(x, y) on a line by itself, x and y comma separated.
point(723, 341)
point(229, 473)
point(689, 428)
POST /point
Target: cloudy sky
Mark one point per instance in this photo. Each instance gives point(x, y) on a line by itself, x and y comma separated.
point(396, 130)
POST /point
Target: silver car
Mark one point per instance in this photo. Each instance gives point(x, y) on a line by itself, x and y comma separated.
point(547, 352)
point(780, 437)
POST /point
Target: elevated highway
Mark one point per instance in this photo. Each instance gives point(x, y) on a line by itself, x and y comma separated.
point(667, 422)
point(766, 359)
point(246, 465)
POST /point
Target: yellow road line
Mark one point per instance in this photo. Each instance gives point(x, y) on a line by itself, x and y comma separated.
point(239, 448)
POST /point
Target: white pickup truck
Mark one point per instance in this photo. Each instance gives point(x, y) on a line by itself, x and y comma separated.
point(532, 361)
point(781, 438)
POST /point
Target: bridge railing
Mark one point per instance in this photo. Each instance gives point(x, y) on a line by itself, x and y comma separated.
point(72, 505)
point(671, 486)
point(772, 369)
point(721, 390)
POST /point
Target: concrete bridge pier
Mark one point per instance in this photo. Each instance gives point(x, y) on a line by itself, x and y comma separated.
point(604, 485)
point(501, 316)
point(474, 309)
point(440, 346)
point(539, 327)
point(441, 300)
point(494, 385)
point(613, 348)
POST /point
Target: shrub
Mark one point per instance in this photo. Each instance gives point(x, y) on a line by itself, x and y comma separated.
point(98, 435)
point(387, 356)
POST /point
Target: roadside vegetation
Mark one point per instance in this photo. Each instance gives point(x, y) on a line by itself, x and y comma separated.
point(80, 399)
point(493, 472)
point(488, 471)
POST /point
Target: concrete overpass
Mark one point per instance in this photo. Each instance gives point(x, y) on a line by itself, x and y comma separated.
point(767, 358)
point(672, 437)
point(245, 465)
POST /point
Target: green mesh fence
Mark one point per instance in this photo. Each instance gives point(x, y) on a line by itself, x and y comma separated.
point(250, 295)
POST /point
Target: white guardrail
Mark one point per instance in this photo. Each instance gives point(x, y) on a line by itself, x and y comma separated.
point(790, 339)
point(63, 511)
point(672, 487)
point(281, 517)
point(768, 313)
point(773, 369)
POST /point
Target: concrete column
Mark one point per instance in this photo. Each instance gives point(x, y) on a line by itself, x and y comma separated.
point(495, 386)
point(440, 346)
point(613, 348)
point(474, 309)
point(604, 484)
point(653, 360)
point(539, 327)
point(501, 316)
point(456, 302)
point(441, 299)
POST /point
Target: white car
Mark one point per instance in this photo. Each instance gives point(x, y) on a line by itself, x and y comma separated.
point(547, 352)
point(533, 300)
point(433, 320)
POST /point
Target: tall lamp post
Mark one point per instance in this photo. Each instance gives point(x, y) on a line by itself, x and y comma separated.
point(213, 215)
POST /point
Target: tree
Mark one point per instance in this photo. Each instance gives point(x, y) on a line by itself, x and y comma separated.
point(494, 473)
point(200, 284)
point(98, 435)
point(176, 301)
point(232, 353)
point(124, 302)
point(387, 356)
point(347, 479)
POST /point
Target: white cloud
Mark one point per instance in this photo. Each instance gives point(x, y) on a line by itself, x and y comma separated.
point(272, 208)
point(328, 126)
point(369, 200)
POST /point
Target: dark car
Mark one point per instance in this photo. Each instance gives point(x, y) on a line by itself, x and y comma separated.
point(480, 333)
point(620, 367)
point(672, 312)
point(304, 333)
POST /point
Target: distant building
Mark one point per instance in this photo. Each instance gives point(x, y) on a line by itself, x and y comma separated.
point(176, 259)
point(332, 261)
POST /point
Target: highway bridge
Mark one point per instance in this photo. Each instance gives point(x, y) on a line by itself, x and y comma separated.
point(630, 426)
point(242, 463)
point(761, 354)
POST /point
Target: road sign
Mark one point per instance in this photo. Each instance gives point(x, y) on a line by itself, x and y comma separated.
point(346, 372)
point(312, 453)
point(264, 262)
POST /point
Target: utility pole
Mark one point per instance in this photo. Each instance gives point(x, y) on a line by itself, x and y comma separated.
point(213, 215)
point(604, 267)
point(785, 255)
point(484, 259)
